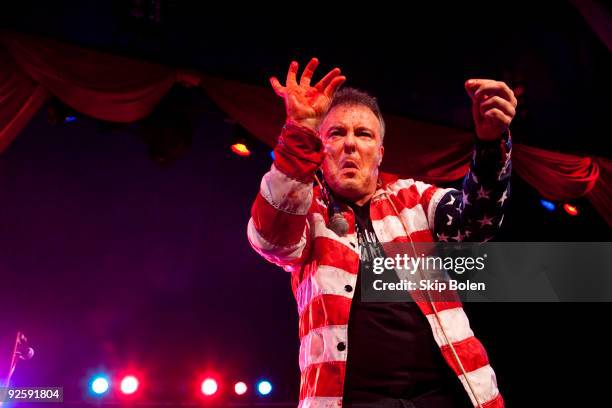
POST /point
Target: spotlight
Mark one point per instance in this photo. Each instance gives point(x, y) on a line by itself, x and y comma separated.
point(240, 388)
point(570, 209)
point(264, 387)
point(129, 385)
point(99, 385)
point(549, 205)
point(241, 149)
point(241, 139)
point(209, 387)
point(58, 112)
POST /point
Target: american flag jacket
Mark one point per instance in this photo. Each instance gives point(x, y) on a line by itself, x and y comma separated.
point(288, 227)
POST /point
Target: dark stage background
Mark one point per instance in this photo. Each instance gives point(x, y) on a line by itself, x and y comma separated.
point(110, 260)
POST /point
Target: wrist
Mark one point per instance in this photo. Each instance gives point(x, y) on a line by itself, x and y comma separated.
point(309, 123)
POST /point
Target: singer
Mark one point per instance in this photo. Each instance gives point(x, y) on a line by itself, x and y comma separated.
point(375, 354)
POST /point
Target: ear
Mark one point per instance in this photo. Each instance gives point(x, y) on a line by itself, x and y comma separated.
point(381, 153)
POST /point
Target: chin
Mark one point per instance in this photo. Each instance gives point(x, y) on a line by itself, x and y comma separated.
point(348, 189)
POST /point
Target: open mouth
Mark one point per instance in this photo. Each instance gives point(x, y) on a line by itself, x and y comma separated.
point(350, 165)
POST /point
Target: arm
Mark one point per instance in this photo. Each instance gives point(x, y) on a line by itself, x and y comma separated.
point(477, 211)
point(278, 228)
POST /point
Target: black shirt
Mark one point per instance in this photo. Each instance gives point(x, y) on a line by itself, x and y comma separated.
point(391, 351)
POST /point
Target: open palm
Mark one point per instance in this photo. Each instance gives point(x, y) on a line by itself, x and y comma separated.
point(306, 104)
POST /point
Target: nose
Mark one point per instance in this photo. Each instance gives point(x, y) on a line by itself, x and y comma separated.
point(350, 142)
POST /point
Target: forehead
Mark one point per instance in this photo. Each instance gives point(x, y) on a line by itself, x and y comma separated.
point(351, 116)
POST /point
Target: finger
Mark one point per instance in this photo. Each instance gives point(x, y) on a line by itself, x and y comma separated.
point(496, 88)
point(471, 85)
point(323, 83)
point(498, 118)
point(308, 72)
point(276, 85)
point(476, 110)
point(499, 103)
point(333, 86)
point(292, 74)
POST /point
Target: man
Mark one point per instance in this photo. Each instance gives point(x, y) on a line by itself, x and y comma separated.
point(352, 352)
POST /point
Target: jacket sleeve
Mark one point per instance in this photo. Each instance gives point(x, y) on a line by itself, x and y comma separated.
point(476, 212)
point(278, 228)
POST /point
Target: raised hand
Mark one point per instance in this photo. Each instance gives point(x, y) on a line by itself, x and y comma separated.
point(493, 107)
point(306, 105)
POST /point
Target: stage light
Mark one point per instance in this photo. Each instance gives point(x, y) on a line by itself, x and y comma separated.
point(549, 205)
point(129, 385)
point(570, 209)
point(241, 140)
point(241, 149)
point(99, 385)
point(58, 112)
point(209, 387)
point(240, 388)
point(264, 387)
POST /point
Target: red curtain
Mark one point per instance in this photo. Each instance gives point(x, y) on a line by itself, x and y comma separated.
point(556, 176)
point(121, 89)
point(100, 85)
point(602, 190)
point(20, 99)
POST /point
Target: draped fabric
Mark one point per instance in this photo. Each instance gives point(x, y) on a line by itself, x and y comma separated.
point(20, 99)
point(100, 85)
point(556, 176)
point(600, 195)
point(120, 89)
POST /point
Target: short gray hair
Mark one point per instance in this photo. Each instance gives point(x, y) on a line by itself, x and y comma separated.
point(351, 96)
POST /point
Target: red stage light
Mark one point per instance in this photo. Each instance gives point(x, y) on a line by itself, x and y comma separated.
point(570, 209)
point(241, 149)
point(129, 385)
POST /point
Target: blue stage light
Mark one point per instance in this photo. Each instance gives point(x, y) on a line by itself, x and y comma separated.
point(549, 205)
point(264, 387)
point(99, 385)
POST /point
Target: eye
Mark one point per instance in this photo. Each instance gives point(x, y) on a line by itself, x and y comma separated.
point(335, 132)
point(365, 133)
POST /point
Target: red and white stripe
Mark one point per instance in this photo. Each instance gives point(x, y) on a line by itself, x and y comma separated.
point(484, 384)
point(285, 193)
point(325, 280)
point(452, 322)
point(277, 254)
point(319, 346)
point(321, 402)
point(392, 229)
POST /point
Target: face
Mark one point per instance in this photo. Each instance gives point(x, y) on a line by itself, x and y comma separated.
point(353, 151)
